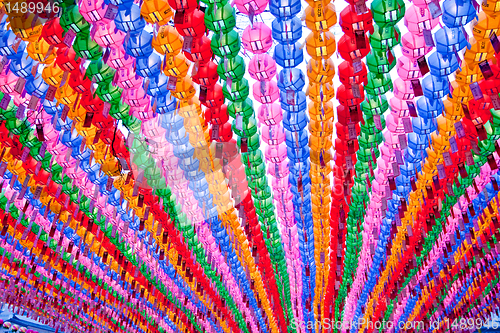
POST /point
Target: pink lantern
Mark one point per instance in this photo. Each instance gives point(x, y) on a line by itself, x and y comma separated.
point(270, 114)
point(92, 10)
point(257, 38)
point(8, 82)
point(413, 46)
point(276, 154)
point(265, 91)
point(408, 68)
point(127, 79)
point(136, 97)
point(273, 135)
point(419, 19)
point(106, 36)
point(143, 112)
point(262, 67)
point(403, 89)
point(244, 6)
point(395, 124)
point(399, 107)
point(118, 59)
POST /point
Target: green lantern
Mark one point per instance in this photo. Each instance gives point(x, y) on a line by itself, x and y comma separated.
point(119, 110)
point(72, 19)
point(239, 90)
point(379, 63)
point(109, 93)
point(226, 45)
point(243, 107)
point(248, 128)
point(220, 20)
point(233, 69)
point(100, 72)
point(253, 142)
point(388, 12)
point(369, 140)
point(220, 3)
point(86, 48)
point(378, 84)
point(17, 126)
point(369, 126)
point(385, 37)
point(374, 104)
point(256, 171)
point(133, 124)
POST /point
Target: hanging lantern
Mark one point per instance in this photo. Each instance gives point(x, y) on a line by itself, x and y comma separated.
point(435, 87)
point(450, 40)
point(238, 90)
point(288, 56)
point(39, 51)
point(413, 46)
point(257, 38)
point(291, 79)
point(222, 20)
point(320, 45)
point(320, 17)
point(139, 46)
point(262, 67)
point(227, 45)
point(7, 42)
point(456, 15)
point(29, 29)
point(321, 93)
point(384, 38)
point(349, 51)
point(321, 71)
point(233, 69)
point(419, 19)
point(351, 21)
point(148, 67)
point(206, 75)
point(126, 78)
point(442, 66)
point(156, 11)
point(167, 40)
point(52, 33)
point(22, 66)
point(72, 19)
point(408, 68)
point(99, 72)
point(201, 50)
point(387, 13)
point(86, 48)
point(258, 6)
point(158, 86)
point(176, 66)
point(130, 20)
point(429, 108)
point(192, 24)
point(287, 31)
point(106, 36)
point(267, 92)
point(379, 63)
point(93, 10)
point(119, 59)
point(378, 84)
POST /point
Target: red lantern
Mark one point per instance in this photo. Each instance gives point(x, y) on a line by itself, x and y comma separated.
point(90, 103)
point(79, 82)
point(217, 115)
point(207, 74)
point(53, 33)
point(349, 50)
point(200, 50)
point(67, 59)
point(350, 21)
point(346, 97)
point(214, 97)
point(191, 24)
point(348, 76)
point(225, 132)
point(185, 5)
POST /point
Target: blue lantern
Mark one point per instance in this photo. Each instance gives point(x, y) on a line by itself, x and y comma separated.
point(284, 9)
point(457, 13)
point(449, 40)
point(22, 66)
point(291, 79)
point(442, 65)
point(130, 19)
point(149, 67)
point(429, 108)
point(139, 45)
point(287, 31)
point(435, 87)
point(288, 56)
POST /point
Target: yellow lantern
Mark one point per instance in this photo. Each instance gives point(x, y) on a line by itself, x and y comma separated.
point(320, 45)
point(321, 92)
point(486, 25)
point(320, 16)
point(26, 28)
point(321, 71)
point(469, 74)
point(41, 51)
point(156, 11)
point(176, 65)
point(53, 75)
point(168, 41)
